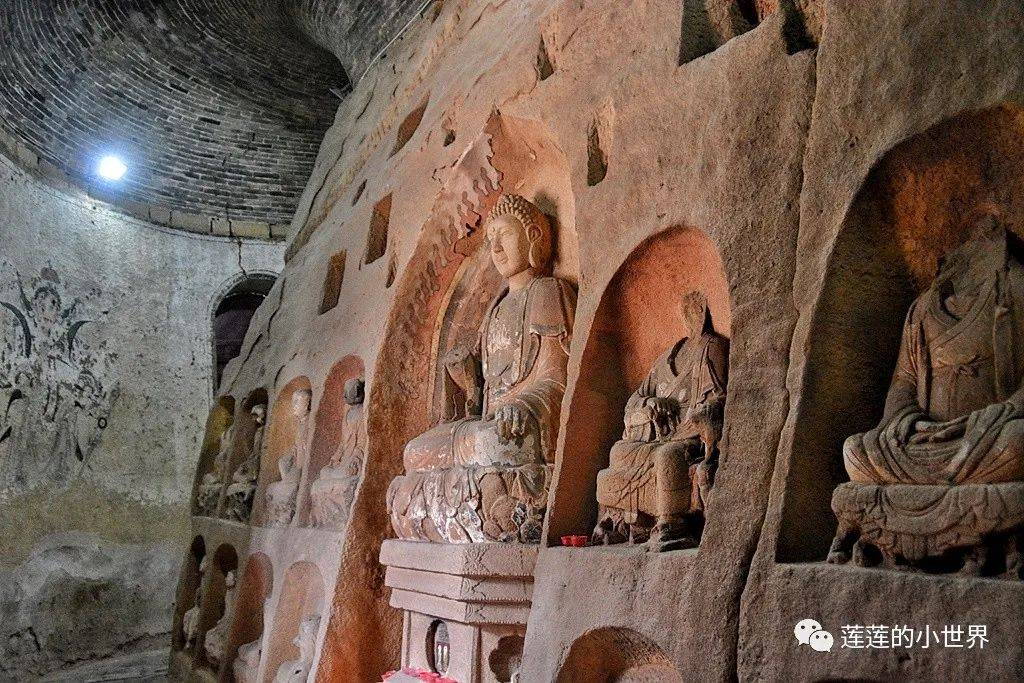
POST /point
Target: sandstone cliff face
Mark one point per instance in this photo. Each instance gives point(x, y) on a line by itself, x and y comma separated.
point(796, 162)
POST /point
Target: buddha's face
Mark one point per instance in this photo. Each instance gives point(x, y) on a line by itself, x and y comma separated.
point(510, 245)
point(259, 413)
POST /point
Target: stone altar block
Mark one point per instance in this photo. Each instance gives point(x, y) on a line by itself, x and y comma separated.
point(465, 606)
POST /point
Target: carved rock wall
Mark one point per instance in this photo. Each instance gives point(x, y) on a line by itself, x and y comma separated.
point(760, 141)
point(105, 369)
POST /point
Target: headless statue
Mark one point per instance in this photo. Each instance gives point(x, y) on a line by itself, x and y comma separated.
point(661, 472)
point(332, 493)
point(247, 661)
point(240, 492)
point(502, 445)
point(940, 473)
point(190, 620)
point(297, 670)
point(281, 495)
point(215, 640)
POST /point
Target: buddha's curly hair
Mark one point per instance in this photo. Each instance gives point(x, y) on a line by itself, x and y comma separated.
point(536, 224)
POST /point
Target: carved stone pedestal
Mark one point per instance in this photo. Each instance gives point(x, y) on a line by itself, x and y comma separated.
point(462, 504)
point(975, 529)
point(465, 606)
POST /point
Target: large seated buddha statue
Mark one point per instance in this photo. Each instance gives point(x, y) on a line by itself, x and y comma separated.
point(939, 484)
point(484, 475)
point(660, 473)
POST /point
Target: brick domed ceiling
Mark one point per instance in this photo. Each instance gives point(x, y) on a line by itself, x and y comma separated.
point(217, 107)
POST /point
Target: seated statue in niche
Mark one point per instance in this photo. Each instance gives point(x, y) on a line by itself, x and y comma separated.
point(190, 620)
point(281, 495)
point(216, 639)
point(297, 670)
point(332, 493)
point(208, 495)
point(240, 492)
point(484, 475)
point(939, 484)
point(659, 475)
point(247, 660)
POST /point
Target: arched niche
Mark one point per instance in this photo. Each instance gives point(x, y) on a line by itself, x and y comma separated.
point(302, 596)
point(221, 417)
point(508, 155)
point(283, 428)
point(529, 164)
point(637, 320)
point(910, 210)
point(231, 312)
point(189, 584)
point(328, 428)
point(256, 585)
point(223, 561)
point(617, 655)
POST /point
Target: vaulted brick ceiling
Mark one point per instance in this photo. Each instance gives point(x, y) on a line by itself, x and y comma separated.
point(218, 106)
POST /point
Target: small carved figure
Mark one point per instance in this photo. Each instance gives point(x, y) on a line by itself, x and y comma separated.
point(297, 670)
point(247, 661)
point(190, 620)
point(216, 638)
point(281, 495)
point(483, 474)
point(208, 495)
point(660, 474)
point(332, 493)
point(938, 484)
point(239, 494)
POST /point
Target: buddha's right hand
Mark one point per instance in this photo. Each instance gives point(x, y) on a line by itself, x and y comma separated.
point(513, 422)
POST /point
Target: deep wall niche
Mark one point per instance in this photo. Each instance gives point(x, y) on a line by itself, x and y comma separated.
point(910, 211)
point(637, 320)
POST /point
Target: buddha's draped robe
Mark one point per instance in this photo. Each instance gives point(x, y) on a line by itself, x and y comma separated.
point(951, 367)
point(524, 349)
point(650, 469)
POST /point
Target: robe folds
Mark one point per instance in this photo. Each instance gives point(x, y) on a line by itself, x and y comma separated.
point(954, 409)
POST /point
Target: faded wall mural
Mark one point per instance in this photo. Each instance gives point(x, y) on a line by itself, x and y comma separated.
point(55, 398)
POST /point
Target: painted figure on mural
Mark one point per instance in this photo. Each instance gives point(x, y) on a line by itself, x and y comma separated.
point(54, 399)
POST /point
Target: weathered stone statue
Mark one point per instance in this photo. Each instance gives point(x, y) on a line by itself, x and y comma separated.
point(239, 494)
point(208, 495)
point(297, 670)
point(215, 640)
point(485, 474)
point(938, 484)
point(332, 493)
point(281, 494)
point(190, 620)
point(659, 475)
point(247, 661)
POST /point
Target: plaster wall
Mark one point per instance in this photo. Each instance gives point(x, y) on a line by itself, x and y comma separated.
point(101, 416)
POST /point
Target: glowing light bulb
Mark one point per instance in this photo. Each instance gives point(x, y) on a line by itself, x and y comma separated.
point(111, 168)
